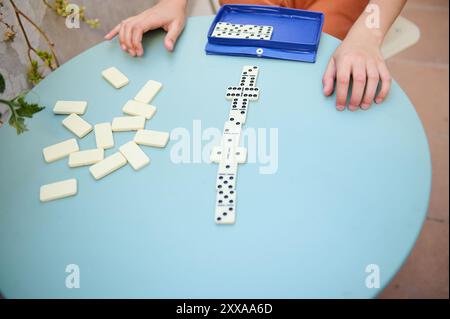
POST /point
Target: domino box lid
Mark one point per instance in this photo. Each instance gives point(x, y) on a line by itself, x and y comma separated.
point(296, 33)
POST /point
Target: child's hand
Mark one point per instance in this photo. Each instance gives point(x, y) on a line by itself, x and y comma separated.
point(359, 58)
point(167, 14)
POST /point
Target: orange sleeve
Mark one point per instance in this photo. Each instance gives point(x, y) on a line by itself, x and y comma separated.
point(339, 15)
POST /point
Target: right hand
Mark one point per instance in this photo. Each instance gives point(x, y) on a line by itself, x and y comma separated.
point(167, 14)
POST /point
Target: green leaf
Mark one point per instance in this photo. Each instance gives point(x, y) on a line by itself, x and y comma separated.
point(21, 109)
point(26, 109)
point(18, 123)
point(2, 84)
point(46, 57)
point(34, 74)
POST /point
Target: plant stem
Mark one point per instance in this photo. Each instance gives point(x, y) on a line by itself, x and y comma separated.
point(50, 44)
point(10, 105)
point(27, 41)
point(48, 4)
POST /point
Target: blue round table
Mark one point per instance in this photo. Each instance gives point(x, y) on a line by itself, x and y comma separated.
point(348, 189)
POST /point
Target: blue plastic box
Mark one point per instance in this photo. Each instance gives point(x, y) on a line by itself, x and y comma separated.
point(296, 33)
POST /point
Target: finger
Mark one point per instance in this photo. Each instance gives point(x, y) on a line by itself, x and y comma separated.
point(137, 41)
point(122, 37)
point(373, 78)
point(342, 84)
point(328, 78)
point(113, 32)
point(359, 83)
point(174, 31)
point(386, 82)
point(128, 42)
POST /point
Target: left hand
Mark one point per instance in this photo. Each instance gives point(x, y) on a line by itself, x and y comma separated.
point(358, 58)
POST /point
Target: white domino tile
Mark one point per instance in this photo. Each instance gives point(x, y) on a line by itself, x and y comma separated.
point(116, 78)
point(228, 168)
point(108, 165)
point(250, 93)
point(69, 107)
point(231, 131)
point(86, 158)
point(248, 81)
point(128, 123)
point(240, 154)
point(58, 151)
point(231, 128)
point(134, 155)
point(148, 92)
point(250, 70)
point(233, 92)
point(77, 125)
point(225, 215)
point(136, 108)
point(104, 136)
point(152, 138)
point(226, 183)
point(225, 212)
point(58, 190)
point(242, 31)
point(237, 116)
point(216, 154)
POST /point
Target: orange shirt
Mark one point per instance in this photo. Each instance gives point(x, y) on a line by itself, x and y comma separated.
point(340, 15)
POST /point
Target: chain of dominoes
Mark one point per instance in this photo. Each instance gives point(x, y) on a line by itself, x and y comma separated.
point(242, 31)
point(229, 155)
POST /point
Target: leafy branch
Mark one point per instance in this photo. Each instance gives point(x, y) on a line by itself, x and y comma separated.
point(19, 109)
point(48, 58)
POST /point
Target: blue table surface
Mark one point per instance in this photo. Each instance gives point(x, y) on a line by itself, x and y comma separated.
point(351, 189)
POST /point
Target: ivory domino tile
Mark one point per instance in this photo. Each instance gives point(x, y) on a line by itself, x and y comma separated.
point(108, 165)
point(136, 108)
point(134, 155)
point(77, 125)
point(103, 135)
point(116, 78)
point(87, 157)
point(58, 151)
point(152, 138)
point(128, 123)
point(148, 92)
point(69, 107)
point(58, 190)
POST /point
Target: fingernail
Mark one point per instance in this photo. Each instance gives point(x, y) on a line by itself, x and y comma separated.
point(378, 100)
point(340, 107)
point(352, 108)
point(365, 106)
